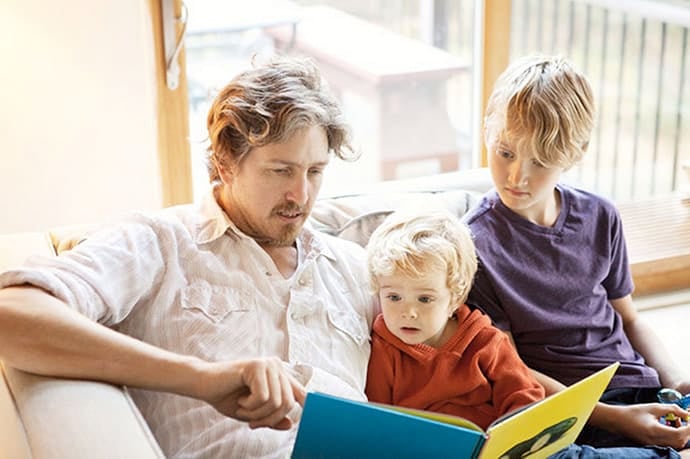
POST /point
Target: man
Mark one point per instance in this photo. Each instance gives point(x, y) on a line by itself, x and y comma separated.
point(220, 316)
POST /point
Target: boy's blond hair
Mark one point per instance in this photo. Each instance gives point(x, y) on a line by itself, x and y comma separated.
point(543, 105)
point(412, 243)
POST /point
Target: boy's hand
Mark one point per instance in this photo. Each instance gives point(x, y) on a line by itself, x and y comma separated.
point(641, 423)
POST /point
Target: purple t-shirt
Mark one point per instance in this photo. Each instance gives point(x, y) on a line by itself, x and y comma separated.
point(550, 286)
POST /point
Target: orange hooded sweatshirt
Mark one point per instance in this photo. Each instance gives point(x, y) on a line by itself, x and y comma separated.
point(477, 374)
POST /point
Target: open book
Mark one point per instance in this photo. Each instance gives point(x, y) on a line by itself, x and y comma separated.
point(333, 427)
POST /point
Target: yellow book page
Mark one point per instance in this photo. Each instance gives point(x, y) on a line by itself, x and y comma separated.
point(550, 425)
point(438, 417)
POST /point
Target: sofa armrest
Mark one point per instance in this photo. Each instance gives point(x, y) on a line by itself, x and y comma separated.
point(42, 417)
point(79, 419)
point(12, 436)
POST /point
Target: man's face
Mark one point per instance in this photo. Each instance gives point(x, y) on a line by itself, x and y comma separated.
point(270, 194)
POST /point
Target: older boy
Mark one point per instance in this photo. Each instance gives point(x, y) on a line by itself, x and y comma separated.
point(553, 263)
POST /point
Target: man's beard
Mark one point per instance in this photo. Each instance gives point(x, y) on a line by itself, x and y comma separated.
point(289, 233)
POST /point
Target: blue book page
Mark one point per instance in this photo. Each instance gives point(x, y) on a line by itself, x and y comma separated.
point(332, 427)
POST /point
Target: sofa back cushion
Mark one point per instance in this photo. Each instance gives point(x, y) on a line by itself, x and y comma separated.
point(354, 217)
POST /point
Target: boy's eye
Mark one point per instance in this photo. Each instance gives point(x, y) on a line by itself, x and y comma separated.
point(504, 153)
point(425, 299)
point(537, 163)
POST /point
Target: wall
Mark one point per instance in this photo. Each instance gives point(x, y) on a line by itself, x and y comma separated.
point(78, 139)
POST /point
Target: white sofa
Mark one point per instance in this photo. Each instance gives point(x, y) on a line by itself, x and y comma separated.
point(44, 417)
point(56, 418)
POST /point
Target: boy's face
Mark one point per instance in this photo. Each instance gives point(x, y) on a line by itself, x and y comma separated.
point(523, 184)
point(416, 309)
point(270, 194)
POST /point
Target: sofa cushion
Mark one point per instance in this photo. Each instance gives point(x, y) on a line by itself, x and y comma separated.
point(355, 217)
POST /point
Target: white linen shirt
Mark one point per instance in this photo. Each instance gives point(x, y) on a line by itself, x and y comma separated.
point(187, 280)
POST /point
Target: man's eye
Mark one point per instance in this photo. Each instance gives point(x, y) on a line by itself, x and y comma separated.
point(315, 171)
point(281, 171)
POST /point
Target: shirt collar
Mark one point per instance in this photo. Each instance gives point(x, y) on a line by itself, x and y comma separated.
point(214, 223)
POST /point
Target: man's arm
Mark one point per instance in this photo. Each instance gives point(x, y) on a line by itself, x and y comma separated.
point(41, 334)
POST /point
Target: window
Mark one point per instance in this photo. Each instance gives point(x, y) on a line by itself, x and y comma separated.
point(402, 70)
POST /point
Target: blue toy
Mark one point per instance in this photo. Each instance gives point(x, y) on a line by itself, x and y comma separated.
point(673, 396)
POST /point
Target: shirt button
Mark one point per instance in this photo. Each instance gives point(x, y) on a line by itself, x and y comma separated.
point(302, 282)
point(294, 316)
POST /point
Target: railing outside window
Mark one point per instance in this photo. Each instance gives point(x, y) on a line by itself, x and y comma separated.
point(634, 51)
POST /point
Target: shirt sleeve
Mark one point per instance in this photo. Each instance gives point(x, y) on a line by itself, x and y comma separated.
point(103, 277)
point(619, 281)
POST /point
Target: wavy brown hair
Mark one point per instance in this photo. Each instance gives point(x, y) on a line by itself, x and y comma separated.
point(268, 104)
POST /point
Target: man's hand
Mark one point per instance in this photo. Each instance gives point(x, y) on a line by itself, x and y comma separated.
point(641, 423)
point(258, 391)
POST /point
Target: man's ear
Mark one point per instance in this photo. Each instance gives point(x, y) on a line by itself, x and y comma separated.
point(224, 172)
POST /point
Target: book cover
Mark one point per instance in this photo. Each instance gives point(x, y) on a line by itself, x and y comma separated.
point(333, 427)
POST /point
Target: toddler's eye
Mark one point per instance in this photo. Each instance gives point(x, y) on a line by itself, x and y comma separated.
point(393, 297)
point(425, 299)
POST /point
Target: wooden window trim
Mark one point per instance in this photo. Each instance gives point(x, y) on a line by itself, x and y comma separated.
point(174, 153)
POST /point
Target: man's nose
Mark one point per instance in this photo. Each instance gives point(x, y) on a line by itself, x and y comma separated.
point(299, 190)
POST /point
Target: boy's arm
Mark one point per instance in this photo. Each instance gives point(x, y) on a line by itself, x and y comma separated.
point(379, 386)
point(43, 335)
point(550, 385)
point(647, 343)
point(637, 422)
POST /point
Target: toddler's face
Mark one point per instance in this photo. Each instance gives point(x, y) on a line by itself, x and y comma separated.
point(416, 310)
